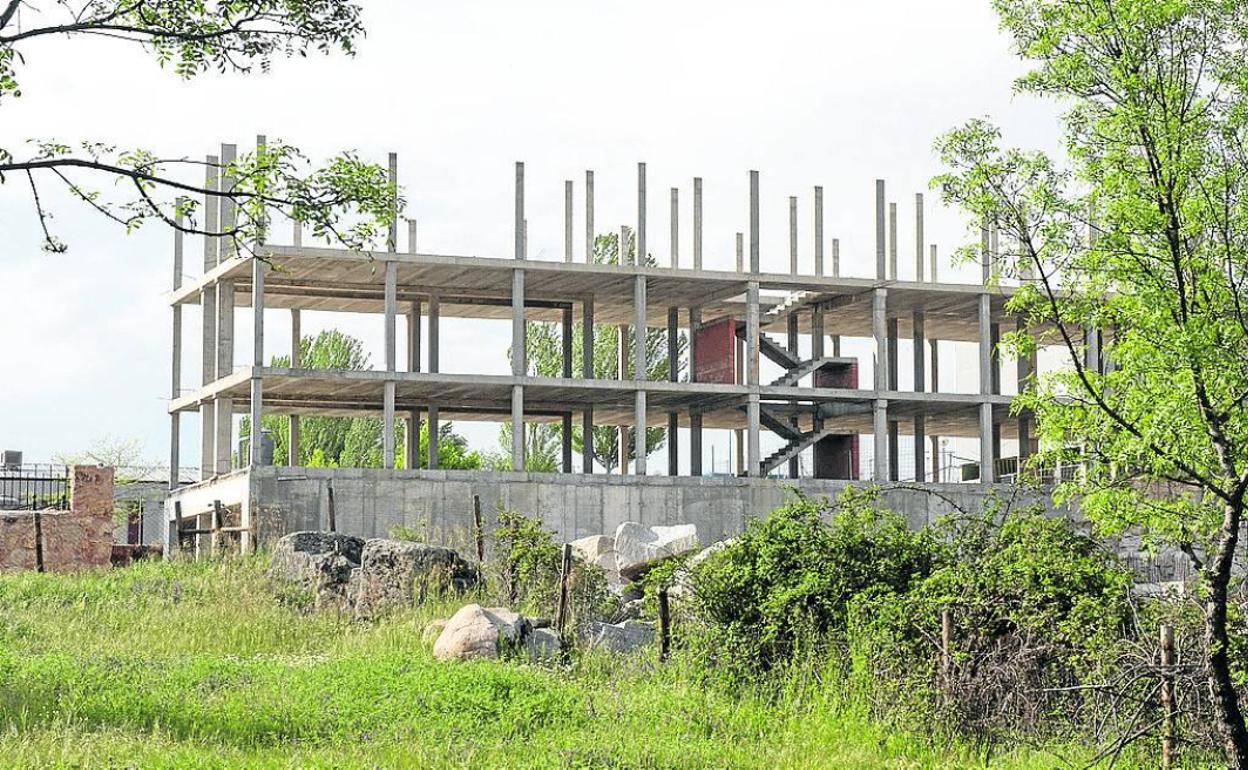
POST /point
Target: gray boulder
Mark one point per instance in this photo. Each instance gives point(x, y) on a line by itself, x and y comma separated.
point(400, 573)
point(542, 644)
point(320, 563)
point(620, 638)
point(638, 547)
point(476, 632)
point(598, 550)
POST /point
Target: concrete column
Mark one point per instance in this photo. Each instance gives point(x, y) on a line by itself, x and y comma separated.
point(697, 223)
point(673, 375)
point(879, 316)
point(411, 236)
point(224, 419)
point(392, 241)
point(918, 237)
point(175, 354)
point(390, 304)
point(566, 422)
point(793, 234)
point(791, 341)
point(892, 241)
point(433, 436)
point(754, 227)
point(519, 367)
point(621, 344)
point(675, 222)
point(987, 471)
point(934, 262)
point(258, 269)
point(208, 322)
point(411, 436)
point(836, 271)
point(879, 231)
point(639, 433)
point(567, 221)
point(292, 438)
point(818, 230)
point(1026, 370)
point(520, 223)
point(587, 372)
point(919, 337)
point(435, 332)
point(995, 335)
point(640, 256)
point(589, 219)
point(985, 254)
point(753, 453)
point(695, 417)
point(641, 373)
point(934, 347)
point(740, 252)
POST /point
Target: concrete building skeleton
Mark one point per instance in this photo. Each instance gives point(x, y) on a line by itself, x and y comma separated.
point(419, 287)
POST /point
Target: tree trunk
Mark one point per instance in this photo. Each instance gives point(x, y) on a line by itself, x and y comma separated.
point(1221, 688)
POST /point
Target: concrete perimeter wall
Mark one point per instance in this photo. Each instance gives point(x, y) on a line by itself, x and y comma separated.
point(438, 504)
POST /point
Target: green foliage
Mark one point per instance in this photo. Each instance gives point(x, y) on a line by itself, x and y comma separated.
point(791, 575)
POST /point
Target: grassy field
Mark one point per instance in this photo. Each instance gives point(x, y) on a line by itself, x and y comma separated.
point(199, 665)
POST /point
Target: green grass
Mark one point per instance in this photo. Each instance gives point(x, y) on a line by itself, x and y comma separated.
point(200, 665)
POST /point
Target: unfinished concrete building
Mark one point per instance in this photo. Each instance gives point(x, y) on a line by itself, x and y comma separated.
point(739, 324)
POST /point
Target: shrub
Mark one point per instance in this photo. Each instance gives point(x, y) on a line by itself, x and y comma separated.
point(790, 576)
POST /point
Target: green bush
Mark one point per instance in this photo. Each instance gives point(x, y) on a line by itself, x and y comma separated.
point(790, 576)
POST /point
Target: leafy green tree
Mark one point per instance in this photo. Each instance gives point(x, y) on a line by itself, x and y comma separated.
point(345, 201)
point(1156, 173)
point(544, 346)
point(350, 442)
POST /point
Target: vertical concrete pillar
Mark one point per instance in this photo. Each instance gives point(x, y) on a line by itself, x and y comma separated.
point(836, 272)
point(818, 230)
point(985, 253)
point(641, 373)
point(392, 240)
point(754, 227)
point(258, 268)
point(988, 465)
point(390, 308)
point(208, 322)
point(995, 335)
point(675, 227)
point(639, 433)
point(918, 237)
point(292, 437)
point(894, 427)
point(519, 219)
point(567, 221)
point(640, 256)
point(434, 333)
point(791, 342)
point(934, 263)
point(411, 236)
point(740, 252)
point(519, 367)
point(673, 372)
point(879, 231)
point(753, 448)
point(621, 344)
point(695, 417)
point(175, 353)
point(1026, 370)
point(879, 329)
point(224, 419)
point(587, 372)
point(589, 219)
point(566, 421)
point(919, 338)
point(892, 241)
point(432, 438)
point(697, 223)
point(793, 235)
point(411, 436)
point(934, 348)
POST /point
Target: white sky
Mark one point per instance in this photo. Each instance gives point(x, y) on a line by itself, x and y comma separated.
point(832, 93)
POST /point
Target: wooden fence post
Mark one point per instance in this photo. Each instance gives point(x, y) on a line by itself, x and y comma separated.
point(665, 626)
point(1167, 696)
point(180, 543)
point(565, 576)
point(333, 517)
point(217, 524)
point(946, 644)
point(479, 526)
point(38, 522)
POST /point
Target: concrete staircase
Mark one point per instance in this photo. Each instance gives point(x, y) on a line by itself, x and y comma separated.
point(773, 350)
point(793, 448)
point(804, 368)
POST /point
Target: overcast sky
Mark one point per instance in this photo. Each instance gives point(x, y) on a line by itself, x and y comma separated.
point(830, 93)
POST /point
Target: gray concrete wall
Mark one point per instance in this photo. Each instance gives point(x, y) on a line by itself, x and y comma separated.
point(371, 502)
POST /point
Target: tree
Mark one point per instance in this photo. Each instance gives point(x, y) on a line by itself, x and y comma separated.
point(346, 201)
point(544, 349)
point(1156, 133)
point(350, 442)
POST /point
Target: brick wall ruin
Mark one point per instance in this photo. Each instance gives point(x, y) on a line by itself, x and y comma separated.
point(63, 541)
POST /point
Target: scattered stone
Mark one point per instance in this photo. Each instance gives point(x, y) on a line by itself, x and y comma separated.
point(638, 547)
point(433, 629)
point(542, 644)
point(295, 556)
point(476, 632)
point(630, 610)
point(682, 581)
point(620, 637)
point(600, 551)
point(400, 573)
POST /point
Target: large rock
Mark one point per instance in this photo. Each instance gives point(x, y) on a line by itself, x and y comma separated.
point(638, 547)
point(400, 573)
point(319, 562)
point(476, 632)
point(682, 581)
point(600, 551)
point(542, 644)
point(296, 557)
point(620, 637)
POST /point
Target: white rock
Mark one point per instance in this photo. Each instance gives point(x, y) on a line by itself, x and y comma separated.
point(682, 581)
point(638, 547)
point(478, 632)
point(598, 550)
point(542, 644)
point(620, 637)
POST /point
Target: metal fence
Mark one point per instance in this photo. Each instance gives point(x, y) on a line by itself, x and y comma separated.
point(34, 487)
